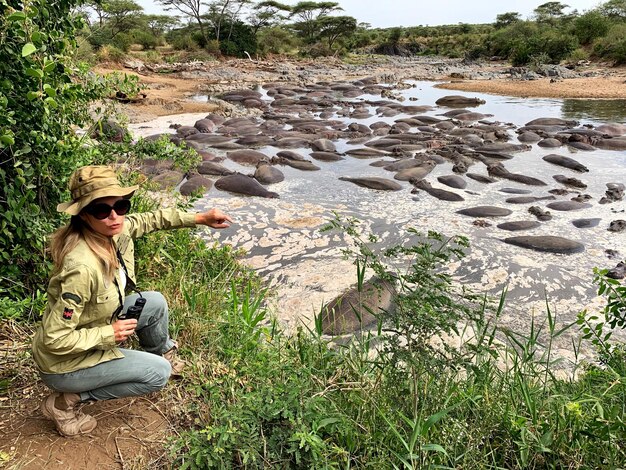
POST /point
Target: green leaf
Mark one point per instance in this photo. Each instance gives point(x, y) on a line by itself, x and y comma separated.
point(49, 90)
point(51, 102)
point(7, 139)
point(31, 72)
point(33, 95)
point(28, 49)
point(49, 67)
point(17, 16)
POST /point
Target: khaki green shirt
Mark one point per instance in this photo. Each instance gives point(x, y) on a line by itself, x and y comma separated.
point(76, 331)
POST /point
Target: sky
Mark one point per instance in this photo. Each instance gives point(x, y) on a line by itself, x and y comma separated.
point(389, 13)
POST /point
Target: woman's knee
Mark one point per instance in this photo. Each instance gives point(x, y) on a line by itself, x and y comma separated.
point(158, 373)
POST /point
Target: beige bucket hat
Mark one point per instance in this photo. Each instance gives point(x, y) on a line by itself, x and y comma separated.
point(93, 182)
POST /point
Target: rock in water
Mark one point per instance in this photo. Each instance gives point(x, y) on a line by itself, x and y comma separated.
point(547, 243)
point(356, 309)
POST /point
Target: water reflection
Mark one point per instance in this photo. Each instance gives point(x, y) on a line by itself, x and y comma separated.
point(595, 110)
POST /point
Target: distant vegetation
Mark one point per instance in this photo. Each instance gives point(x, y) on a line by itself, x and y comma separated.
point(204, 30)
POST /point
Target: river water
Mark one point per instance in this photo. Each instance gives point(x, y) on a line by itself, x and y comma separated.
point(306, 267)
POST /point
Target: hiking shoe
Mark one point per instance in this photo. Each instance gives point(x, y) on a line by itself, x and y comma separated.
point(177, 364)
point(69, 422)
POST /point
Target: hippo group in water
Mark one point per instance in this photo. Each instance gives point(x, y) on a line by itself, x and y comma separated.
point(314, 127)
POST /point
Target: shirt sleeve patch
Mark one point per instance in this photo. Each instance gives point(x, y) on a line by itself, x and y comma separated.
point(67, 313)
point(70, 296)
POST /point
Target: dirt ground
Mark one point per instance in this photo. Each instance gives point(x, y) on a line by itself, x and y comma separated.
point(612, 87)
point(133, 433)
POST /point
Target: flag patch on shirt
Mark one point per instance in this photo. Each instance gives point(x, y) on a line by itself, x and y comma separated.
point(67, 313)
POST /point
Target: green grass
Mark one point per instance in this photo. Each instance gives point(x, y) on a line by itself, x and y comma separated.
point(261, 399)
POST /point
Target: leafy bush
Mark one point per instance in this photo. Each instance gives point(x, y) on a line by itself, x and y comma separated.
point(276, 40)
point(110, 54)
point(145, 38)
point(613, 45)
point(184, 42)
point(236, 39)
point(590, 26)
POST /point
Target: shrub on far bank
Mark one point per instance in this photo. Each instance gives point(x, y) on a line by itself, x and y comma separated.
point(613, 45)
point(276, 40)
point(110, 54)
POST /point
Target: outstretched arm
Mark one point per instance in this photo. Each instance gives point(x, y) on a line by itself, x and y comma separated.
point(214, 218)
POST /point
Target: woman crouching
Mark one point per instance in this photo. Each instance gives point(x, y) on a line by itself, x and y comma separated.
point(76, 347)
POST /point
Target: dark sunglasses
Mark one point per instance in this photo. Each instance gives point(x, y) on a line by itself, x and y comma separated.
point(101, 210)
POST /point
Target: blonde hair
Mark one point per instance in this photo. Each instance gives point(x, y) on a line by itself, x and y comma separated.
point(65, 239)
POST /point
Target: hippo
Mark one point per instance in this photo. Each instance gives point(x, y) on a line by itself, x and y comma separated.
point(612, 129)
point(581, 146)
point(267, 174)
point(205, 126)
point(617, 226)
point(373, 182)
point(586, 223)
point(515, 191)
point(358, 308)
point(481, 178)
point(615, 192)
point(546, 243)
point(186, 131)
point(568, 206)
point(549, 143)
point(194, 184)
point(416, 173)
point(529, 137)
point(454, 181)
point(246, 157)
point(436, 192)
point(366, 153)
point(323, 145)
point(527, 199)
point(616, 143)
point(485, 211)
point(459, 101)
point(208, 139)
point(213, 168)
point(327, 156)
point(503, 147)
point(572, 182)
point(290, 155)
point(566, 162)
point(402, 164)
point(168, 179)
point(618, 272)
point(304, 165)
point(552, 122)
point(519, 225)
point(497, 169)
point(541, 214)
point(242, 184)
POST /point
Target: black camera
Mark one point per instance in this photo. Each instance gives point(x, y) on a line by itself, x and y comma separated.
point(134, 311)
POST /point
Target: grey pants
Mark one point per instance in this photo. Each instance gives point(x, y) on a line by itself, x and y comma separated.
point(138, 372)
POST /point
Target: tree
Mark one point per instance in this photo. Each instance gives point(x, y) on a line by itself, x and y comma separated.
point(590, 26)
point(505, 19)
point(160, 24)
point(121, 15)
point(267, 14)
point(309, 13)
point(190, 8)
point(334, 27)
point(614, 9)
point(549, 12)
